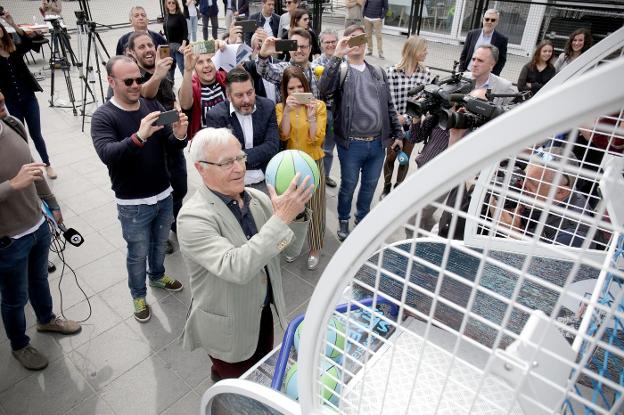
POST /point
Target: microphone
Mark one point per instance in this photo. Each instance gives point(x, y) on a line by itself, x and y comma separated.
point(71, 235)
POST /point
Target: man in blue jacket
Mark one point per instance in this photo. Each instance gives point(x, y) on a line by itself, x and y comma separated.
point(209, 11)
point(252, 121)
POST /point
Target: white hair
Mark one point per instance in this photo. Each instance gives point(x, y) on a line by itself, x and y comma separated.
point(208, 137)
point(492, 11)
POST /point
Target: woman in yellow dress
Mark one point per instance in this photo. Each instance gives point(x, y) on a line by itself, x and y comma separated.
point(302, 127)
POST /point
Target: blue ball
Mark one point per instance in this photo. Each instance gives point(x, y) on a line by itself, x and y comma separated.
point(330, 382)
point(403, 158)
point(284, 165)
point(335, 338)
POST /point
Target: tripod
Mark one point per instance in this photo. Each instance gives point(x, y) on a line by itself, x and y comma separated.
point(93, 38)
point(63, 57)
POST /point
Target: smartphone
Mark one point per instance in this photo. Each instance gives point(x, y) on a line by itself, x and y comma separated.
point(357, 40)
point(164, 51)
point(167, 117)
point(303, 97)
point(285, 45)
point(249, 26)
point(204, 46)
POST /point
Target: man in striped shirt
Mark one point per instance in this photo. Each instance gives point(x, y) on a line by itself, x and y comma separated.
point(203, 87)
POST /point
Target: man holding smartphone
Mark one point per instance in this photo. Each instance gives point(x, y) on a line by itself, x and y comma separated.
point(273, 71)
point(365, 124)
point(128, 140)
point(266, 19)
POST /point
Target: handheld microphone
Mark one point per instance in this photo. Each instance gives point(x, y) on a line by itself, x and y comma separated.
point(71, 235)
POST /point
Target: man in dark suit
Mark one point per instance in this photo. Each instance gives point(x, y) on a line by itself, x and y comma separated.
point(252, 121)
point(485, 36)
point(267, 20)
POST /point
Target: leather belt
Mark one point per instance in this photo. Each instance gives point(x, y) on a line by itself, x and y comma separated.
point(367, 138)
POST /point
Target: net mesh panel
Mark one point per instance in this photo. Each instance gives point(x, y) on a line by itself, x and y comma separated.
point(457, 304)
point(542, 239)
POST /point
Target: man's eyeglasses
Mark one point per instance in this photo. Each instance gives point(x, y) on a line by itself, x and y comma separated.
point(303, 47)
point(489, 19)
point(289, 2)
point(130, 81)
point(329, 42)
point(229, 163)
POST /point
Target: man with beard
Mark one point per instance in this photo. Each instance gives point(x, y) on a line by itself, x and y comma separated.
point(252, 121)
point(273, 72)
point(203, 87)
point(133, 148)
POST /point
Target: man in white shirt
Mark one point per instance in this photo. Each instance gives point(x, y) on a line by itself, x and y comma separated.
point(267, 20)
point(252, 121)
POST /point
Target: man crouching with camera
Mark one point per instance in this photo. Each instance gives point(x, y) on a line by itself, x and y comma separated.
point(131, 135)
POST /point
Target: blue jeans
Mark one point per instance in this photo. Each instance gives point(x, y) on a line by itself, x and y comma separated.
point(145, 229)
point(191, 24)
point(329, 143)
point(27, 111)
point(24, 275)
point(364, 157)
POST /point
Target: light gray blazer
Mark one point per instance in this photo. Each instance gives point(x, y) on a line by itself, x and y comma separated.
point(227, 272)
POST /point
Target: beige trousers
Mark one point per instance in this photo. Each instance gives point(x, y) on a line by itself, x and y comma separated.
point(369, 27)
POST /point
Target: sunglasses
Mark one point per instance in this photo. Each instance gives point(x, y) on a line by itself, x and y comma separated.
point(130, 81)
point(489, 19)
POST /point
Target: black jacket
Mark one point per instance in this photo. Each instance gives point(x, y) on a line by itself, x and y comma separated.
point(260, 19)
point(265, 134)
point(498, 40)
point(16, 59)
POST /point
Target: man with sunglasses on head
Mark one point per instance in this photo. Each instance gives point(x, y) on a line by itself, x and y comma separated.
point(485, 36)
point(284, 23)
point(132, 144)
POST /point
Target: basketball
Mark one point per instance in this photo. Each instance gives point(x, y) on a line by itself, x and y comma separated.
point(330, 382)
point(335, 338)
point(285, 164)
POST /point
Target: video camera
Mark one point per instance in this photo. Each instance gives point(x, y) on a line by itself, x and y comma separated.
point(435, 96)
point(478, 111)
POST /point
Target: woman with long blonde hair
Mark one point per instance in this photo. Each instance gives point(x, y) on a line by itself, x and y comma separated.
point(409, 73)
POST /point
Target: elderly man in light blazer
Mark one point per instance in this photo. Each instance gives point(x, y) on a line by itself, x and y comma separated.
point(231, 238)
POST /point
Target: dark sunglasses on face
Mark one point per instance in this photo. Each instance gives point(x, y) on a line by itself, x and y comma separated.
point(489, 19)
point(130, 81)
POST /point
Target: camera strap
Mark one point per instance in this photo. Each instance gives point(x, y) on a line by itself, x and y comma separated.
point(17, 126)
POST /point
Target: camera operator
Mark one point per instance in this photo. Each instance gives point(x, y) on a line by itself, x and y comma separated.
point(483, 62)
point(540, 175)
point(25, 243)
point(51, 8)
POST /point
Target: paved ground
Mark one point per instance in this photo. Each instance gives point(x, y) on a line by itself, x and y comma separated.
point(116, 365)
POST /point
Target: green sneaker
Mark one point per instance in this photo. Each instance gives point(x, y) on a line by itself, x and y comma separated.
point(167, 283)
point(141, 310)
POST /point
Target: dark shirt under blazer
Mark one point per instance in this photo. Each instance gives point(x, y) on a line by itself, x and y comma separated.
point(498, 40)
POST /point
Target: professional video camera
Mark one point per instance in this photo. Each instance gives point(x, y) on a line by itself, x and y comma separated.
point(435, 96)
point(478, 111)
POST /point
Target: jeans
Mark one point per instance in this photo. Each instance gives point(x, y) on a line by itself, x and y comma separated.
point(214, 21)
point(145, 229)
point(191, 24)
point(329, 144)
point(24, 275)
point(27, 109)
point(176, 164)
point(362, 156)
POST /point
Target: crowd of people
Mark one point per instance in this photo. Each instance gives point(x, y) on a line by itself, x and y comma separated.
point(232, 231)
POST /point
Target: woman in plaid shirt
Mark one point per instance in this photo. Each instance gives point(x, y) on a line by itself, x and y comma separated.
point(402, 77)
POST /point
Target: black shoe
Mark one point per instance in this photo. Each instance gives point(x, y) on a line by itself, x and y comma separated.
point(214, 375)
point(386, 190)
point(343, 230)
point(51, 267)
point(330, 182)
point(170, 249)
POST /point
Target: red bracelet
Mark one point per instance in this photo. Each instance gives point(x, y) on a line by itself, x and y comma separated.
point(136, 140)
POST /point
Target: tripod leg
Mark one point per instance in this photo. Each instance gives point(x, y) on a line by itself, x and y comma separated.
point(53, 58)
